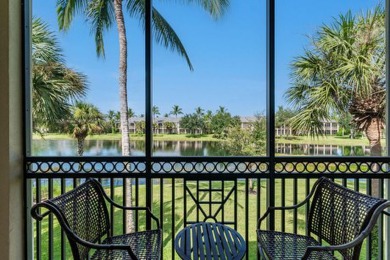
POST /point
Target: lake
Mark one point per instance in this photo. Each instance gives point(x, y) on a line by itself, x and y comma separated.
point(182, 148)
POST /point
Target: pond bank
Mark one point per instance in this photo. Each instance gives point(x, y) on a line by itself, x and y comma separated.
point(334, 140)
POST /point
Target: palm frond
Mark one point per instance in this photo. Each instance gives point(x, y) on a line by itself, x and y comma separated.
point(100, 14)
point(343, 71)
point(163, 32)
point(54, 86)
point(45, 47)
point(66, 10)
point(309, 121)
point(216, 8)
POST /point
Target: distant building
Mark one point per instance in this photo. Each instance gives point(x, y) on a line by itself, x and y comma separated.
point(161, 127)
point(247, 121)
point(329, 127)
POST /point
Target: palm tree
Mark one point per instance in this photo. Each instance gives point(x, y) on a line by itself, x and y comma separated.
point(101, 14)
point(221, 110)
point(199, 111)
point(86, 119)
point(155, 111)
point(169, 126)
point(207, 121)
point(113, 120)
point(343, 71)
point(130, 113)
point(176, 110)
point(54, 86)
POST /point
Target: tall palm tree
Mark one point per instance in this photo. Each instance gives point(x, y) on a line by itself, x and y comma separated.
point(86, 119)
point(343, 71)
point(176, 110)
point(54, 86)
point(103, 13)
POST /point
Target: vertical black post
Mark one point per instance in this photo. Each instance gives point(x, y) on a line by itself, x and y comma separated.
point(271, 105)
point(148, 104)
point(27, 124)
point(387, 181)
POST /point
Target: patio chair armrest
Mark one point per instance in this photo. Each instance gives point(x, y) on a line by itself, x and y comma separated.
point(39, 216)
point(357, 240)
point(110, 247)
point(148, 211)
point(270, 209)
point(290, 207)
point(35, 212)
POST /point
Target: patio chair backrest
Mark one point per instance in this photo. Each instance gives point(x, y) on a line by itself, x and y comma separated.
point(338, 214)
point(84, 212)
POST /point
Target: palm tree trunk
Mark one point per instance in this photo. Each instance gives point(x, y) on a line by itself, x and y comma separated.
point(80, 146)
point(123, 101)
point(80, 152)
point(374, 133)
point(251, 187)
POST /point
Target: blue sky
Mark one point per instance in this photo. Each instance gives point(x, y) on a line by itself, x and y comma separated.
point(228, 54)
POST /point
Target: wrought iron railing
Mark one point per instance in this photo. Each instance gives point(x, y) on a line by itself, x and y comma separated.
point(234, 190)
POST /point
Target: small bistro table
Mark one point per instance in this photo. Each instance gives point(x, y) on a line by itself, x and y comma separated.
point(206, 240)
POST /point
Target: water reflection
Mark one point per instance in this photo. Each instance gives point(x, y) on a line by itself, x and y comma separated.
point(182, 148)
point(320, 150)
point(113, 148)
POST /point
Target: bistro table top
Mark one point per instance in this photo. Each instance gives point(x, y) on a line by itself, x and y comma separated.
point(206, 240)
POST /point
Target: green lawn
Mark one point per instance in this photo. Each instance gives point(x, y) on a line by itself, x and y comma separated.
point(172, 201)
point(158, 137)
point(325, 140)
point(334, 140)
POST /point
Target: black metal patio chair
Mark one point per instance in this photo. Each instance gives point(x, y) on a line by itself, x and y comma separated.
point(338, 216)
point(83, 216)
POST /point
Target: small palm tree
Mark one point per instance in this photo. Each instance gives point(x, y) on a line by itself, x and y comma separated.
point(221, 110)
point(199, 111)
point(130, 113)
point(155, 111)
point(169, 126)
point(54, 86)
point(344, 71)
point(86, 120)
point(176, 110)
point(113, 120)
